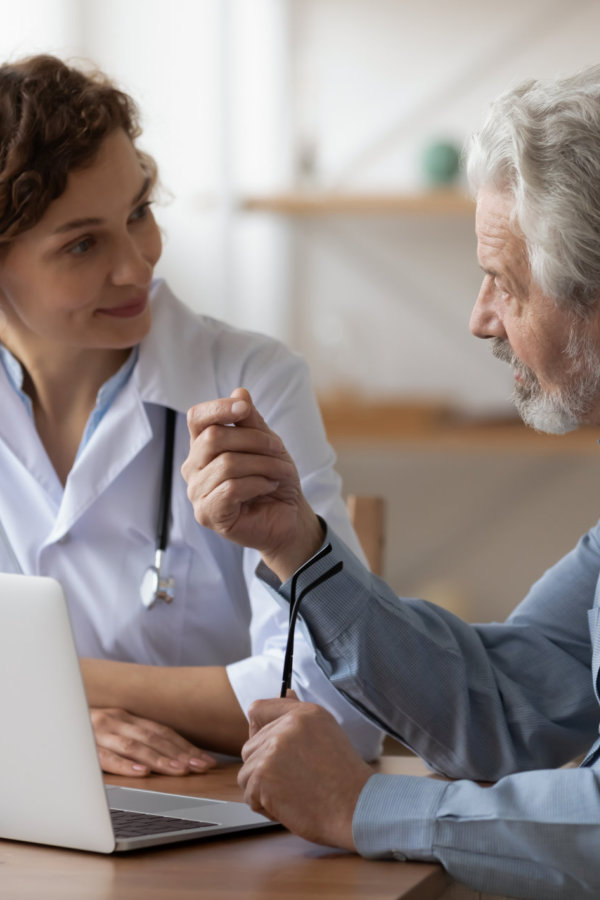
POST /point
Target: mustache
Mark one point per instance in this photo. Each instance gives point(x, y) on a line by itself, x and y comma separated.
point(502, 350)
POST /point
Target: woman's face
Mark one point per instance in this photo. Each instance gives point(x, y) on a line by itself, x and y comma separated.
point(80, 278)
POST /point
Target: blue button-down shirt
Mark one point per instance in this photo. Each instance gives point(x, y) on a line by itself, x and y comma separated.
point(507, 702)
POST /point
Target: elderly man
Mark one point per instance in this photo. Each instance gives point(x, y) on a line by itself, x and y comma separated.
point(511, 702)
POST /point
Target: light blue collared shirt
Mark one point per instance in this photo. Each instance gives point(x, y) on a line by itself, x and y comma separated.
point(506, 702)
point(105, 397)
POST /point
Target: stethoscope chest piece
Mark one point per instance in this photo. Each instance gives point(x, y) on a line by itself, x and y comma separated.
point(153, 587)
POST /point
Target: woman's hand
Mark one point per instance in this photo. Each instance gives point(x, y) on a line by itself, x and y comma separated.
point(301, 770)
point(244, 485)
point(129, 745)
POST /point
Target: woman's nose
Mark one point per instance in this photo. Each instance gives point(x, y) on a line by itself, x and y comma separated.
point(132, 265)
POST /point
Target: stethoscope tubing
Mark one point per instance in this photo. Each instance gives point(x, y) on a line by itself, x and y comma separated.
point(164, 507)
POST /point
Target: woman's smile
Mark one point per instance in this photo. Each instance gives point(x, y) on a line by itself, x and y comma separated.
point(127, 310)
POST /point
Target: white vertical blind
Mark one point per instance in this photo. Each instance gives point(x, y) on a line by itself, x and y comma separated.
point(40, 26)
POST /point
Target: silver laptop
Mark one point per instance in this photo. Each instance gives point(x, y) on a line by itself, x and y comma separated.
point(51, 785)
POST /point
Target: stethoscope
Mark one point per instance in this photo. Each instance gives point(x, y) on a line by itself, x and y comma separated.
point(154, 585)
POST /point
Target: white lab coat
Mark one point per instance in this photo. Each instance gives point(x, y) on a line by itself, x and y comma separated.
point(97, 535)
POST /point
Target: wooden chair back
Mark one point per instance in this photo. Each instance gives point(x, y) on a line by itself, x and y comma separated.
point(367, 516)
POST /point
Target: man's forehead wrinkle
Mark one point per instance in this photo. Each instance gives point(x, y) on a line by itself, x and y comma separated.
point(501, 250)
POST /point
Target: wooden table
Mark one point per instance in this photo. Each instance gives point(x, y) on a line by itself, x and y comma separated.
point(273, 865)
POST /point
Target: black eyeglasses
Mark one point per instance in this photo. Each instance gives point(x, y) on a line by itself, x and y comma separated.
point(295, 607)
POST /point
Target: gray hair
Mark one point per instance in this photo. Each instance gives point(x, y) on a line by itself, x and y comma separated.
point(541, 143)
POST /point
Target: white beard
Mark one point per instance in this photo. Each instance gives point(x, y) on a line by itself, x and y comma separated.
point(567, 407)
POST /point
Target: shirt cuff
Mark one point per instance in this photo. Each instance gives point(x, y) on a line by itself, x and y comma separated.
point(256, 677)
point(395, 817)
point(271, 580)
point(335, 604)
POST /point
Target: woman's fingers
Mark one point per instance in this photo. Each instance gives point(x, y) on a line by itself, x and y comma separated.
point(130, 745)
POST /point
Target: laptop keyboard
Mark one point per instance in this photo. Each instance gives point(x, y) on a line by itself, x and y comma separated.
point(136, 824)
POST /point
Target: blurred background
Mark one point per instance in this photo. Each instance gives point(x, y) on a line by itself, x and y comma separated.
point(309, 153)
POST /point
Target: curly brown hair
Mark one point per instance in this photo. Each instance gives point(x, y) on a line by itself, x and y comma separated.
point(53, 119)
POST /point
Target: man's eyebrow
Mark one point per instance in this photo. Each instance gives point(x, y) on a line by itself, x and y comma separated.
point(511, 281)
point(88, 221)
point(494, 273)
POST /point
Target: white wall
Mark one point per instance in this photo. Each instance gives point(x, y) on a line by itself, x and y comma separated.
point(39, 26)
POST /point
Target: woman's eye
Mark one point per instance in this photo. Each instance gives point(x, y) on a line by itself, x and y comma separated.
point(141, 212)
point(81, 247)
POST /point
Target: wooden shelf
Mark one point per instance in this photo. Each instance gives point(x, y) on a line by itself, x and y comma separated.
point(309, 203)
point(438, 427)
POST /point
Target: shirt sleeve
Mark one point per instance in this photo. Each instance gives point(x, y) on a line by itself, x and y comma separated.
point(284, 396)
point(475, 702)
point(531, 835)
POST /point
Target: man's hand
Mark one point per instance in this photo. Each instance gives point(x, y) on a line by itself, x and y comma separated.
point(301, 770)
point(244, 485)
point(129, 745)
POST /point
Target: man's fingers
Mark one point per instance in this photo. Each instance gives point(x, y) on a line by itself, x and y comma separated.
point(301, 769)
point(230, 471)
point(262, 712)
point(215, 440)
point(241, 393)
point(230, 466)
point(251, 786)
point(253, 419)
point(224, 411)
point(238, 409)
point(223, 507)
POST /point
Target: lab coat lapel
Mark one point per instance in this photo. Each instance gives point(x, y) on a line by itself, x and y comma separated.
point(173, 366)
point(30, 491)
point(20, 439)
point(121, 434)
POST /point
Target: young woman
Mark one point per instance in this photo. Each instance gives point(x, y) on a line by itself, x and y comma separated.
point(93, 355)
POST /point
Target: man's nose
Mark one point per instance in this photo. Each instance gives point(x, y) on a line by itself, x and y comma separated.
point(485, 321)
